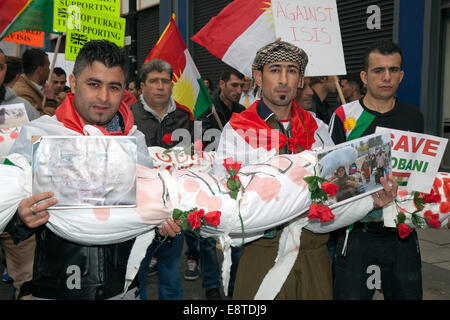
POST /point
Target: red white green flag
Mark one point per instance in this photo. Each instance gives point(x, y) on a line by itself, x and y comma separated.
point(189, 89)
point(17, 15)
point(237, 32)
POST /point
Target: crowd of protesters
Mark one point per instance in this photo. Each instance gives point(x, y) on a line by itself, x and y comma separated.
point(27, 242)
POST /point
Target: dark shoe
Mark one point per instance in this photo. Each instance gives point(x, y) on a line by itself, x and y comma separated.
point(213, 294)
point(152, 267)
point(191, 272)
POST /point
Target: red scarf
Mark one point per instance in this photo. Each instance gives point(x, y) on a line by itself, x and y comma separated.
point(303, 126)
point(67, 114)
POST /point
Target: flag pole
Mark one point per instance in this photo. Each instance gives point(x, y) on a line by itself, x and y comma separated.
point(55, 54)
point(216, 116)
point(339, 90)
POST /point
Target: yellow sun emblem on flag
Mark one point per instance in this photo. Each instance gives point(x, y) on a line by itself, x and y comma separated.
point(349, 123)
point(269, 13)
point(183, 92)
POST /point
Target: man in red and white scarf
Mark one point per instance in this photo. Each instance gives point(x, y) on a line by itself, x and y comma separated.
point(95, 107)
point(276, 124)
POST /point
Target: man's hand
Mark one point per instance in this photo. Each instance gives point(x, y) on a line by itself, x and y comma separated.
point(49, 91)
point(388, 194)
point(33, 214)
point(171, 228)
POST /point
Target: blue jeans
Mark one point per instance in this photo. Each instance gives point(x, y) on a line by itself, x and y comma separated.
point(192, 243)
point(168, 266)
point(209, 264)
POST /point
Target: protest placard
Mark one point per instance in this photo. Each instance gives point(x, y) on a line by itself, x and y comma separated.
point(61, 62)
point(94, 26)
point(350, 160)
point(109, 7)
point(415, 158)
point(27, 37)
point(312, 25)
point(86, 171)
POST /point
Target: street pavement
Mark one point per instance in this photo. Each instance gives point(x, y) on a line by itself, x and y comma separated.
point(435, 253)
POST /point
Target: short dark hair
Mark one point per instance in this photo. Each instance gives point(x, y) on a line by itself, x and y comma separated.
point(59, 71)
point(157, 65)
point(102, 51)
point(354, 78)
point(134, 80)
point(384, 47)
point(32, 59)
point(15, 67)
point(226, 74)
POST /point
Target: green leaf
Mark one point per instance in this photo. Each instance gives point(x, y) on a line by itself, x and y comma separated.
point(177, 213)
point(312, 187)
point(417, 220)
point(310, 179)
point(401, 218)
point(233, 194)
point(185, 224)
point(419, 202)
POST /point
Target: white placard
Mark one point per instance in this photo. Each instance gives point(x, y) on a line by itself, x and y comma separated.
point(415, 158)
point(61, 62)
point(312, 25)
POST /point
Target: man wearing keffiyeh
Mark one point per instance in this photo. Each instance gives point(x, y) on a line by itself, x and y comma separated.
point(282, 126)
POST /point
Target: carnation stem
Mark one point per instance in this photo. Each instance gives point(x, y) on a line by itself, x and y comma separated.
point(242, 222)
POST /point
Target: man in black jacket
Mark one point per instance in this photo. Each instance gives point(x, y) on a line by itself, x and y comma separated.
point(226, 99)
point(97, 83)
point(157, 115)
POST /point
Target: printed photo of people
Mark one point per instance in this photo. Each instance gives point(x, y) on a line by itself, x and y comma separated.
point(361, 173)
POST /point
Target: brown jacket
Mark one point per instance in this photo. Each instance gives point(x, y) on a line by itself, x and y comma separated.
point(25, 88)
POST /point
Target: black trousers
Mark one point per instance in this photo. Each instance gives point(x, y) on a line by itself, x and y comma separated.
point(376, 253)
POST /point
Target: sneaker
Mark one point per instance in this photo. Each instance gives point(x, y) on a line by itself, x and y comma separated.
point(191, 272)
point(213, 294)
point(152, 266)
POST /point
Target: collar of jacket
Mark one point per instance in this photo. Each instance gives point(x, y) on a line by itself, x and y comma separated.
point(171, 108)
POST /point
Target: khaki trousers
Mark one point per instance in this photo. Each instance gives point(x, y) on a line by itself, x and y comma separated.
point(19, 260)
point(309, 279)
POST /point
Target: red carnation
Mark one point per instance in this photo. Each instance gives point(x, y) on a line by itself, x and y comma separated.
point(213, 218)
point(313, 211)
point(432, 198)
point(444, 207)
point(325, 213)
point(433, 221)
point(330, 188)
point(231, 166)
point(403, 230)
point(167, 138)
point(194, 218)
point(320, 211)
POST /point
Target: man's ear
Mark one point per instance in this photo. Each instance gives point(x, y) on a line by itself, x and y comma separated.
point(72, 82)
point(363, 76)
point(257, 74)
point(222, 84)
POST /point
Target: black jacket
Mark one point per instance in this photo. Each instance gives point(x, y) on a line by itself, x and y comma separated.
point(99, 269)
point(222, 110)
point(154, 131)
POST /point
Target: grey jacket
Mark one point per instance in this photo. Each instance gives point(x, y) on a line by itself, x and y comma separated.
point(12, 98)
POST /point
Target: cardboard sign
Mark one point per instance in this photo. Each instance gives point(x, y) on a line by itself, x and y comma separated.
point(94, 26)
point(108, 7)
point(28, 37)
point(312, 25)
point(415, 158)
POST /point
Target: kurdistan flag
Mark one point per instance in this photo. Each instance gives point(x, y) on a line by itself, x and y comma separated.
point(17, 15)
point(189, 89)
